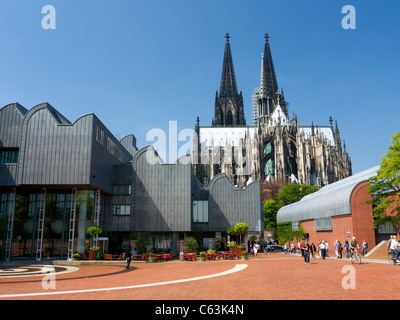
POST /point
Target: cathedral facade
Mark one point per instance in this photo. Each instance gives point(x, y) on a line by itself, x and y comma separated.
point(274, 146)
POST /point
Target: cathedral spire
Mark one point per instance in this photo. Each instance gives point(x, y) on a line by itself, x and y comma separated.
point(229, 109)
point(228, 87)
point(268, 79)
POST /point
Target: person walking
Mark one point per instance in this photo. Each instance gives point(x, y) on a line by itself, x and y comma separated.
point(337, 249)
point(346, 249)
point(306, 253)
point(364, 248)
point(255, 248)
point(313, 248)
point(128, 256)
point(326, 249)
point(389, 242)
point(394, 248)
point(340, 250)
point(322, 247)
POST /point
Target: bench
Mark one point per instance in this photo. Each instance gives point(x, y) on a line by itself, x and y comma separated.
point(108, 256)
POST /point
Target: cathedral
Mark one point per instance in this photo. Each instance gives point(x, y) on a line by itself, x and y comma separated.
point(274, 146)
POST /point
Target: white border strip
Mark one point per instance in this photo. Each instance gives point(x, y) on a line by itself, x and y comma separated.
point(237, 268)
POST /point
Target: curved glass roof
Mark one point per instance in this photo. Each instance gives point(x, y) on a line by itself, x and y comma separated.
point(331, 200)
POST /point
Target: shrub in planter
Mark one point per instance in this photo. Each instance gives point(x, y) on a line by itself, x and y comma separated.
point(76, 256)
point(151, 257)
point(202, 256)
point(245, 255)
point(232, 244)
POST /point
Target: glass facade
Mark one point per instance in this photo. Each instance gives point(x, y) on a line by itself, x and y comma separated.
point(57, 206)
point(143, 241)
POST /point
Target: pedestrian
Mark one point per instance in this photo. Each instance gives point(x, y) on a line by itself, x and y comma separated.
point(322, 247)
point(340, 250)
point(326, 249)
point(313, 249)
point(394, 248)
point(306, 252)
point(337, 249)
point(389, 242)
point(128, 258)
point(301, 248)
point(255, 248)
point(293, 247)
point(346, 248)
point(364, 247)
point(319, 249)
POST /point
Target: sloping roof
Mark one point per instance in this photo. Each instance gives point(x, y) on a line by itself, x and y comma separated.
point(325, 131)
point(221, 135)
point(331, 200)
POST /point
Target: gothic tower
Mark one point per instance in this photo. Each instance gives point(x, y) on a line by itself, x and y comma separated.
point(229, 109)
point(267, 97)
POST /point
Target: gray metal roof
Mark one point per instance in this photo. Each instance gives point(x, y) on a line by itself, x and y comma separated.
point(331, 200)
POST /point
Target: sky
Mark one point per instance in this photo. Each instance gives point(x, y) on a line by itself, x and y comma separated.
point(142, 65)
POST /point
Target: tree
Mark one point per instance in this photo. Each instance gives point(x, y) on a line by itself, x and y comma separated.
point(191, 244)
point(294, 192)
point(385, 187)
point(241, 228)
point(231, 232)
point(289, 194)
point(270, 209)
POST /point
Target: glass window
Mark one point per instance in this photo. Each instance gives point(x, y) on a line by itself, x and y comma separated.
point(323, 224)
point(200, 211)
point(122, 189)
point(8, 156)
point(121, 210)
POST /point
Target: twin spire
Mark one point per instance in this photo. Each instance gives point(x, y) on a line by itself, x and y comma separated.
point(229, 109)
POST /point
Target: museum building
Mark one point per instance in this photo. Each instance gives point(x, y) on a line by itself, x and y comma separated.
point(57, 178)
point(337, 212)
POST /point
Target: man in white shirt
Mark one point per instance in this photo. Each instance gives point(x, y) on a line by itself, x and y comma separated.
point(394, 248)
point(322, 247)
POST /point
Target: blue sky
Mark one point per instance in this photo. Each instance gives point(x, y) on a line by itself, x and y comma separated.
point(140, 64)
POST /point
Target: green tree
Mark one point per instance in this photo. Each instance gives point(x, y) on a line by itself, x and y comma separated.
point(231, 232)
point(385, 187)
point(289, 194)
point(294, 192)
point(191, 245)
point(241, 228)
point(270, 209)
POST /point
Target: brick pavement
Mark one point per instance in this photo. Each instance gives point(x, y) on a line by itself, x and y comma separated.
point(272, 277)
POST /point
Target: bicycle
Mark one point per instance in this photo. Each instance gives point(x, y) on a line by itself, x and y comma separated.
point(355, 257)
point(391, 258)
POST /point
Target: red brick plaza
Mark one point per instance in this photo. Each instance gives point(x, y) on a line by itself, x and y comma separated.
point(265, 277)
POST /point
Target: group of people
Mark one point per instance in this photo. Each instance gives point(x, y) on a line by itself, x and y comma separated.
point(394, 247)
point(267, 247)
point(308, 250)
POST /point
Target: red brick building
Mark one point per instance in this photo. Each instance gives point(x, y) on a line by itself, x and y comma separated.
point(335, 212)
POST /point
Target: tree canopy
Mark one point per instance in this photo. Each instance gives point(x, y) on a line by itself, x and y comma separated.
point(270, 209)
point(385, 187)
point(294, 192)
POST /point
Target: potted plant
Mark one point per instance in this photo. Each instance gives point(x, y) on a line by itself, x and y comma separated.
point(151, 257)
point(202, 256)
point(232, 244)
point(93, 251)
point(245, 255)
point(76, 256)
point(93, 231)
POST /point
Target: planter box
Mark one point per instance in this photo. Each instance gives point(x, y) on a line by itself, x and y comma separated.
point(237, 251)
point(92, 255)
